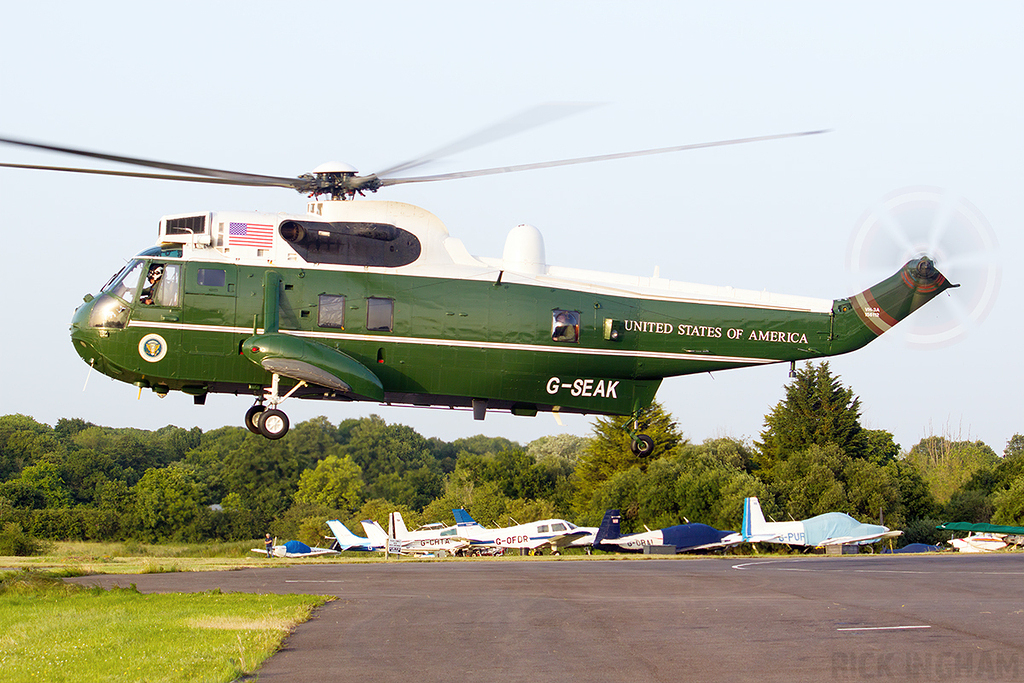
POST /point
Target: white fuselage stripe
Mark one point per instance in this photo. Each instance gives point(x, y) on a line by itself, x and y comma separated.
point(457, 343)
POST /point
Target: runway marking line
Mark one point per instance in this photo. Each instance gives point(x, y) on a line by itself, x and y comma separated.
point(880, 628)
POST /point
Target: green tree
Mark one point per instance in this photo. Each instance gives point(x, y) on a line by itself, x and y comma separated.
point(564, 449)
point(947, 465)
point(336, 482)
point(396, 461)
point(1009, 504)
point(609, 451)
point(818, 410)
point(23, 441)
point(169, 502)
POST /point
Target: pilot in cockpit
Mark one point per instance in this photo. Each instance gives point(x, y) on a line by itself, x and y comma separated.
point(156, 271)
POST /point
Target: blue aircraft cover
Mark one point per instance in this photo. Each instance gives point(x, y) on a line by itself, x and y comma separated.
point(915, 548)
point(685, 536)
point(837, 525)
point(297, 547)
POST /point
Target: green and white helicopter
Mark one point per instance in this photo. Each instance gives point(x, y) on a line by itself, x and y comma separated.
point(375, 301)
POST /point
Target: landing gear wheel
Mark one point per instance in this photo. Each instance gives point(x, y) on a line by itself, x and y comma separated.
point(273, 423)
point(252, 417)
point(642, 445)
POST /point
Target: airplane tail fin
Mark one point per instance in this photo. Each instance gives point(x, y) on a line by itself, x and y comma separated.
point(400, 530)
point(345, 538)
point(374, 532)
point(462, 519)
point(753, 519)
point(609, 528)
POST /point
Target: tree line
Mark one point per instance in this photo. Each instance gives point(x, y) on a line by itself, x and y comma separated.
point(80, 481)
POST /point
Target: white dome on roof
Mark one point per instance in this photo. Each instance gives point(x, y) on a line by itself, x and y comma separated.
point(524, 250)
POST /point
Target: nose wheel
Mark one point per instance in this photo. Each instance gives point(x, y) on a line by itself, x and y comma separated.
point(270, 423)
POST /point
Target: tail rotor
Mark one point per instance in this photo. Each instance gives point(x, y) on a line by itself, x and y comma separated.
point(926, 221)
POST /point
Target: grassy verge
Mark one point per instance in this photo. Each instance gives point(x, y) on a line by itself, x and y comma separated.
point(51, 631)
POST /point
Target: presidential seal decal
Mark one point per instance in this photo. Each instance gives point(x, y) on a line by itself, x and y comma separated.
point(152, 347)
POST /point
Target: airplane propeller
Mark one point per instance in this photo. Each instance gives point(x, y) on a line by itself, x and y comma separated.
point(346, 183)
point(919, 221)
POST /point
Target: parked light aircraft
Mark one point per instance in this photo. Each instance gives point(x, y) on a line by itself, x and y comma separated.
point(831, 528)
point(346, 540)
point(984, 538)
point(685, 537)
point(556, 534)
point(436, 538)
point(293, 549)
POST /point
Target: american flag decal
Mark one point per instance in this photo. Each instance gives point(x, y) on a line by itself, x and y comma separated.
point(251, 235)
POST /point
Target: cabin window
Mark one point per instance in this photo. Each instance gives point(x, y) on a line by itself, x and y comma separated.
point(542, 528)
point(161, 285)
point(558, 527)
point(379, 314)
point(211, 277)
point(331, 311)
point(448, 532)
point(565, 326)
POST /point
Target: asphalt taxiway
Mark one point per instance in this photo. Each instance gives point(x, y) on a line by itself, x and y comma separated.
point(878, 618)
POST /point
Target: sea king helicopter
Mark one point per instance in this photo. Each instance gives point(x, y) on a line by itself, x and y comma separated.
point(374, 301)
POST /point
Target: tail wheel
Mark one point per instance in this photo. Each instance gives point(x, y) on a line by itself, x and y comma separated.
point(252, 417)
point(642, 445)
point(273, 423)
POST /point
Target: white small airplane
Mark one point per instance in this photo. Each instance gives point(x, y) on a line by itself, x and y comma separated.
point(685, 537)
point(556, 534)
point(294, 549)
point(979, 543)
point(831, 528)
point(436, 538)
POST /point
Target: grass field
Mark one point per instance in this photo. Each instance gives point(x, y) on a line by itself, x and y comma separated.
point(52, 631)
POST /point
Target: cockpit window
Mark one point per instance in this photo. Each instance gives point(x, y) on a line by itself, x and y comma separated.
point(558, 526)
point(565, 326)
point(161, 285)
point(126, 282)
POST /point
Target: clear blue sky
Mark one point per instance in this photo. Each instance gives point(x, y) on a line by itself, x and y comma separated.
point(918, 94)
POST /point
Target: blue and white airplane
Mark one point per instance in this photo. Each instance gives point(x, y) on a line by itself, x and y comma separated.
point(556, 534)
point(831, 528)
point(434, 539)
point(295, 549)
point(685, 537)
point(346, 540)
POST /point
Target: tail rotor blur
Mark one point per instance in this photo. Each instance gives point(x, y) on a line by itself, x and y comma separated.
point(926, 221)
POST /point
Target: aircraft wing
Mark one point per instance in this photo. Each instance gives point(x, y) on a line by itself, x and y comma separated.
point(282, 551)
point(858, 540)
point(726, 542)
point(762, 538)
point(558, 541)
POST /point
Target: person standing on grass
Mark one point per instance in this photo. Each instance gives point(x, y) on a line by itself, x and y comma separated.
point(269, 542)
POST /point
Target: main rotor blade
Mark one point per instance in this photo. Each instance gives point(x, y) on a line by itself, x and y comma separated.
point(587, 160)
point(135, 174)
point(238, 178)
point(530, 118)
